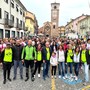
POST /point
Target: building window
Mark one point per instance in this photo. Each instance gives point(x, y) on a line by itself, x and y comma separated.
point(6, 1)
point(20, 23)
point(0, 13)
point(21, 11)
point(17, 8)
point(13, 34)
point(12, 18)
point(6, 15)
point(17, 22)
point(12, 3)
point(23, 14)
point(7, 34)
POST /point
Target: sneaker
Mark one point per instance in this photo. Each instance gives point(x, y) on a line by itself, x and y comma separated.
point(71, 75)
point(9, 79)
point(76, 78)
point(39, 75)
point(14, 78)
point(32, 79)
point(48, 76)
point(52, 76)
point(63, 77)
point(44, 78)
point(26, 79)
point(21, 78)
point(34, 76)
point(66, 76)
point(55, 77)
point(59, 76)
point(84, 84)
point(4, 82)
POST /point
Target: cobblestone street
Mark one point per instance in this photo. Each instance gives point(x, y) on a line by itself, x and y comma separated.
point(38, 84)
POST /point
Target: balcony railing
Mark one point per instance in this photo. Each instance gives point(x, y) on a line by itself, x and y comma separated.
point(83, 27)
point(26, 28)
point(17, 25)
point(11, 23)
point(7, 22)
point(20, 27)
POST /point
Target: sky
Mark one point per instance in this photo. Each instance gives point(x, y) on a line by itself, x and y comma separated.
point(69, 9)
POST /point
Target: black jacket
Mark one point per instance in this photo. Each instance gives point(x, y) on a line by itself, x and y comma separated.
point(17, 51)
point(44, 53)
point(52, 47)
point(88, 57)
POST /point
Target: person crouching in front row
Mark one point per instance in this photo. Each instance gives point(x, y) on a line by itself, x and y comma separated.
point(7, 56)
point(53, 62)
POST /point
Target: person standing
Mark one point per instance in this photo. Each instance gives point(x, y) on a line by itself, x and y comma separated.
point(76, 59)
point(84, 58)
point(28, 56)
point(17, 51)
point(61, 62)
point(69, 60)
point(7, 57)
point(38, 60)
point(46, 59)
point(54, 46)
point(53, 62)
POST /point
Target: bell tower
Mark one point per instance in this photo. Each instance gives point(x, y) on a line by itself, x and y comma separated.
point(55, 14)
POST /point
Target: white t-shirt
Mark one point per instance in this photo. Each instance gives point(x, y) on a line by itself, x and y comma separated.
point(61, 56)
point(53, 61)
point(76, 58)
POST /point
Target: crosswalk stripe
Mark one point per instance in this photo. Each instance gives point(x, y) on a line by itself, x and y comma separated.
point(53, 84)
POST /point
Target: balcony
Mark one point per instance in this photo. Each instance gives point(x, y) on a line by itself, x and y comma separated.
point(83, 27)
point(17, 25)
point(20, 27)
point(26, 28)
point(11, 23)
point(8, 23)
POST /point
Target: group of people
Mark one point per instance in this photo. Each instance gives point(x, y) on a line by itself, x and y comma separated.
point(61, 53)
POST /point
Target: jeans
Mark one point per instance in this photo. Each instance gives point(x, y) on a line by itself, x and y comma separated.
point(66, 67)
point(61, 68)
point(86, 72)
point(76, 68)
point(46, 66)
point(16, 64)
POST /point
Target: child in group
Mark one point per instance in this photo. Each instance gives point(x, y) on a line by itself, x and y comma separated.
point(53, 62)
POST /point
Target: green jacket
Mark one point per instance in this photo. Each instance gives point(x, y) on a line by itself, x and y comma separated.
point(29, 53)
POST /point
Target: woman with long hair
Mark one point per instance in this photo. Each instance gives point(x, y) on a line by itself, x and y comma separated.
point(38, 61)
point(76, 59)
